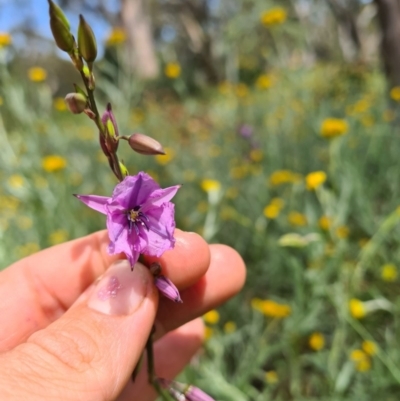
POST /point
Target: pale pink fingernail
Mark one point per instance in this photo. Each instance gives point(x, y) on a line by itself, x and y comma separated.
point(120, 291)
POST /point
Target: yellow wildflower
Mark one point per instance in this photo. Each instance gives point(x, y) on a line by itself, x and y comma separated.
point(58, 236)
point(271, 377)
point(59, 104)
point(325, 223)
point(342, 232)
point(256, 155)
point(264, 81)
point(297, 219)
point(272, 210)
point(274, 16)
point(167, 158)
point(333, 127)
point(315, 179)
point(395, 93)
point(369, 347)
point(116, 36)
point(209, 185)
point(280, 177)
point(389, 272)
point(5, 39)
point(273, 309)
point(172, 70)
point(361, 360)
point(241, 90)
point(208, 333)
point(16, 181)
point(357, 308)
point(37, 74)
point(229, 327)
point(27, 249)
point(211, 317)
point(316, 341)
point(239, 172)
point(53, 163)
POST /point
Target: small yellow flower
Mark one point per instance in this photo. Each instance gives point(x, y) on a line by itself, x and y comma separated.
point(16, 181)
point(172, 70)
point(167, 158)
point(342, 232)
point(315, 179)
point(58, 236)
point(389, 272)
point(325, 223)
point(264, 81)
point(211, 317)
point(229, 327)
point(361, 359)
point(256, 155)
point(274, 16)
point(395, 93)
point(273, 309)
point(208, 185)
point(241, 90)
point(59, 104)
point(27, 249)
point(280, 177)
point(316, 341)
point(357, 308)
point(369, 347)
point(116, 37)
point(5, 39)
point(208, 333)
point(271, 377)
point(333, 127)
point(297, 219)
point(53, 163)
point(37, 74)
point(271, 211)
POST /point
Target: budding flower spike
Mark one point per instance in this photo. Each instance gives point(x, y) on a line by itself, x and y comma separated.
point(140, 218)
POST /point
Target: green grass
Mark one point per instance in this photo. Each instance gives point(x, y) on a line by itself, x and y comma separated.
point(316, 281)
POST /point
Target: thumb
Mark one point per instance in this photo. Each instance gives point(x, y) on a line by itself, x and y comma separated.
point(91, 351)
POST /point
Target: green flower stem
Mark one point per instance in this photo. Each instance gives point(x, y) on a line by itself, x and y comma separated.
point(93, 107)
point(151, 371)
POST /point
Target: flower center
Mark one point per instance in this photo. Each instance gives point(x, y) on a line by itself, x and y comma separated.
point(136, 218)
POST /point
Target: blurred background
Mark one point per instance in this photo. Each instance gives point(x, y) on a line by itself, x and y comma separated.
point(281, 119)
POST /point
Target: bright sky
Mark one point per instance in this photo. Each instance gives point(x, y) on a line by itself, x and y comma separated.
point(15, 12)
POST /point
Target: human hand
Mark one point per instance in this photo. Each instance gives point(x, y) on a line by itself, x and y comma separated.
point(73, 329)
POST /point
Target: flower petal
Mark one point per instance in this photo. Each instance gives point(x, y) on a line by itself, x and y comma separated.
point(167, 288)
point(159, 196)
point(95, 202)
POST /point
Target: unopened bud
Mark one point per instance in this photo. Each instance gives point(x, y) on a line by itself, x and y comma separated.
point(167, 288)
point(62, 36)
point(76, 102)
point(111, 129)
point(55, 11)
point(123, 169)
point(145, 145)
point(184, 392)
point(86, 41)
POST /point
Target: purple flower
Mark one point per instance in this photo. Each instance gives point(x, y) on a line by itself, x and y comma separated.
point(246, 130)
point(140, 218)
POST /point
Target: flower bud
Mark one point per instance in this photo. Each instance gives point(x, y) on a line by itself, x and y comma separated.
point(62, 36)
point(124, 170)
point(145, 145)
point(86, 41)
point(56, 12)
point(76, 102)
point(184, 392)
point(167, 288)
point(111, 129)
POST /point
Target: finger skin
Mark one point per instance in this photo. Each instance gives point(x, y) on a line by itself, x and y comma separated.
point(172, 353)
point(86, 354)
point(224, 278)
point(39, 289)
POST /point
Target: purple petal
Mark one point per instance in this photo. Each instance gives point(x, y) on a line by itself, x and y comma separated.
point(159, 197)
point(95, 202)
point(180, 390)
point(167, 288)
point(195, 394)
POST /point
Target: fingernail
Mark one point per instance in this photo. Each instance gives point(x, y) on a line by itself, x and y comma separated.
point(120, 291)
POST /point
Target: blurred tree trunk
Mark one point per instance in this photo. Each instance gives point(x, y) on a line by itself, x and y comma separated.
point(345, 13)
point(389, 20)
point(137, 23)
